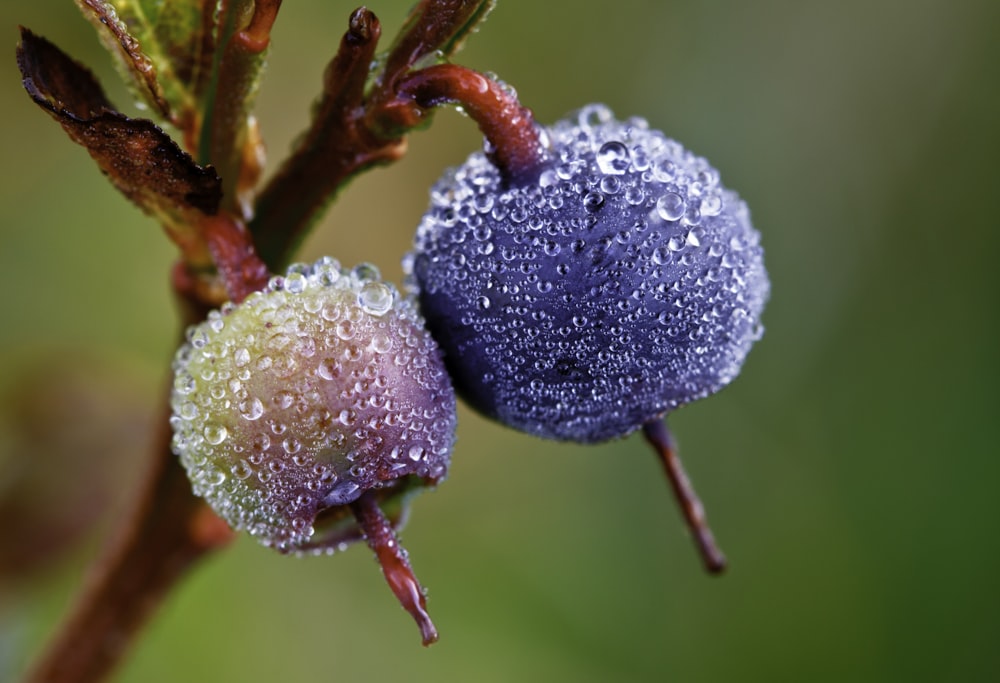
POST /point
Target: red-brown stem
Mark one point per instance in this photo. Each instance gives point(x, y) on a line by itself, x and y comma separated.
point(514, 139)
point(257, 34)
point(164, 533)
point(396, 568)
point(432, 27)
point(335, 148)
point(235, 256)
point(166, 530)
point(662, 440)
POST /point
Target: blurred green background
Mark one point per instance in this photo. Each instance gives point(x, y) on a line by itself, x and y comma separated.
point(849, 473)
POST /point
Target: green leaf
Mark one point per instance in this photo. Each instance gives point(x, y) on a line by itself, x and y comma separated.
point(197, 63)
point(165, 48)
point(229, 138)
point(141, 160)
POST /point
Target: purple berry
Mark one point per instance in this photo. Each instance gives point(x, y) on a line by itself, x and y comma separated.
point(623, 283)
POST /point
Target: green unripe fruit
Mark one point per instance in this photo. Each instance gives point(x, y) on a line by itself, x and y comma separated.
point(290, 406)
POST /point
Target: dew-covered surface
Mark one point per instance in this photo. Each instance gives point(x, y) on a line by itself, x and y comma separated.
point(305, 396)
point(625, 283)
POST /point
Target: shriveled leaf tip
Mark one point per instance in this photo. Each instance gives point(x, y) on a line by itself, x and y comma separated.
point(142, 161)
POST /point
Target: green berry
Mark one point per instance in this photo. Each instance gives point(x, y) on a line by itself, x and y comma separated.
point(294, 403)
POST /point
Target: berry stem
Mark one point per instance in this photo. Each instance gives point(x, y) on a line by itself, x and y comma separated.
point(659, 436)
point(391, 555)
point(514, 139)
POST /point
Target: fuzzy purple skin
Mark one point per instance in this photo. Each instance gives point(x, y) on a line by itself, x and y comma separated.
point(623, 284)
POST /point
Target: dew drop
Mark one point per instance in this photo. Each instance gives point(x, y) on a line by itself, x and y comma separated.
point(711, 205)
point(345, 330)
point(215, 433)
point(381, 342)
point(376, 298)
point(611, 184)
point(241, 470)
point(635, 196)
point(593, 201)
point(328, 369)
point(184, 383)
point(593, 115)
point(661, 256)
point(295, 283)
point(252, 409)
point(482, 233)
point(613, 158)
point(260, 443)
point(665, 171)
point(692, 216)
point(366, 271)
point(670, 206)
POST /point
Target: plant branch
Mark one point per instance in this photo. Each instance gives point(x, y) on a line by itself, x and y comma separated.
point(164, 533)
point(333, 150)
point(360, 120)
point(167, 530)
point(434, 27)
point(235, 257)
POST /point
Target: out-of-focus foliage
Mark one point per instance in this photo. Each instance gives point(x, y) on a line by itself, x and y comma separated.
point(849, 472)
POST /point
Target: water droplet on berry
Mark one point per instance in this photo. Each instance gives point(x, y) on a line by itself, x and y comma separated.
point(593, 201)
point(345, 330)
point(251, 409)
point(613, 158)
point(215, 433)
point(670, 206)
point(375, 298)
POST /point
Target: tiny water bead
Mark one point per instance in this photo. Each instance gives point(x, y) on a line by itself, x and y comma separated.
point(290, 410)
point(623, 283)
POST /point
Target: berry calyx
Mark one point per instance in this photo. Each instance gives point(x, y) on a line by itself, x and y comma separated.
point(310, 413)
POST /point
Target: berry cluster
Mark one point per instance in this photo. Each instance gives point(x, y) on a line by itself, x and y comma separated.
point(576, 282)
